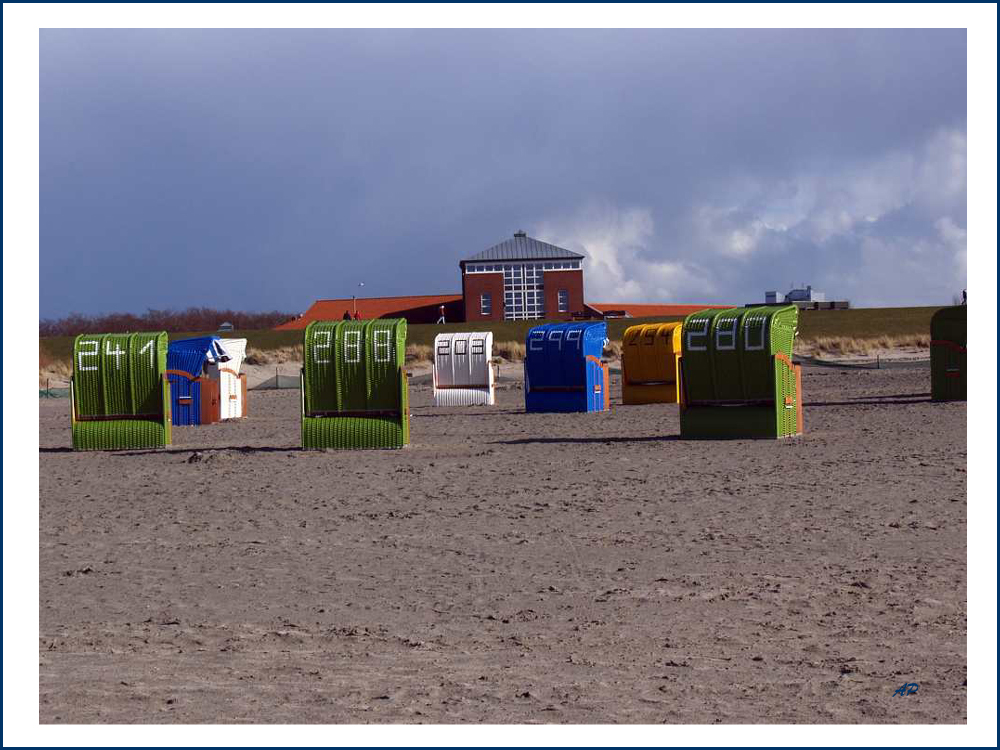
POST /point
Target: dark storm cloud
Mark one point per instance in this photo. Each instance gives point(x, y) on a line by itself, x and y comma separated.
point(261, 169)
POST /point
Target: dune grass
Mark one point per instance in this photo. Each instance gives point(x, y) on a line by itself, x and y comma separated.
point(276, 356)
point(52, 369)
point(861, 346)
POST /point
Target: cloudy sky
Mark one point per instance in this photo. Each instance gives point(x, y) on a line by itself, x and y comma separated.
point(261, 169)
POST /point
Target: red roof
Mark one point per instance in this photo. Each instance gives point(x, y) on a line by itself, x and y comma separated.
point(643, 310)
point(421, 308)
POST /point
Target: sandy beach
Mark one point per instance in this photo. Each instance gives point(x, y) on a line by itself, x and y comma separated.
point(512, 567)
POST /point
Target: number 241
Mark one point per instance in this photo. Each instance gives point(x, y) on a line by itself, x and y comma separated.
point(117, 353)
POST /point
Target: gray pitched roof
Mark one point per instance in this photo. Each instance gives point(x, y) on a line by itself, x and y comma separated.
point(523, 247)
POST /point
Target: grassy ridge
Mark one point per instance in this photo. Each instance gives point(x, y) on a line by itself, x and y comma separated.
point(866, 322)
point(859, 323)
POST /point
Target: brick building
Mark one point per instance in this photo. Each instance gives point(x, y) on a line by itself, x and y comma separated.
point(523, 279)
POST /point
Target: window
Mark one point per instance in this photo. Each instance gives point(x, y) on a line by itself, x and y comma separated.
point(563, 300)
point(444, 347)
point(478, 346)
point(486, 303)
point(459, 346)
point(524, 293)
